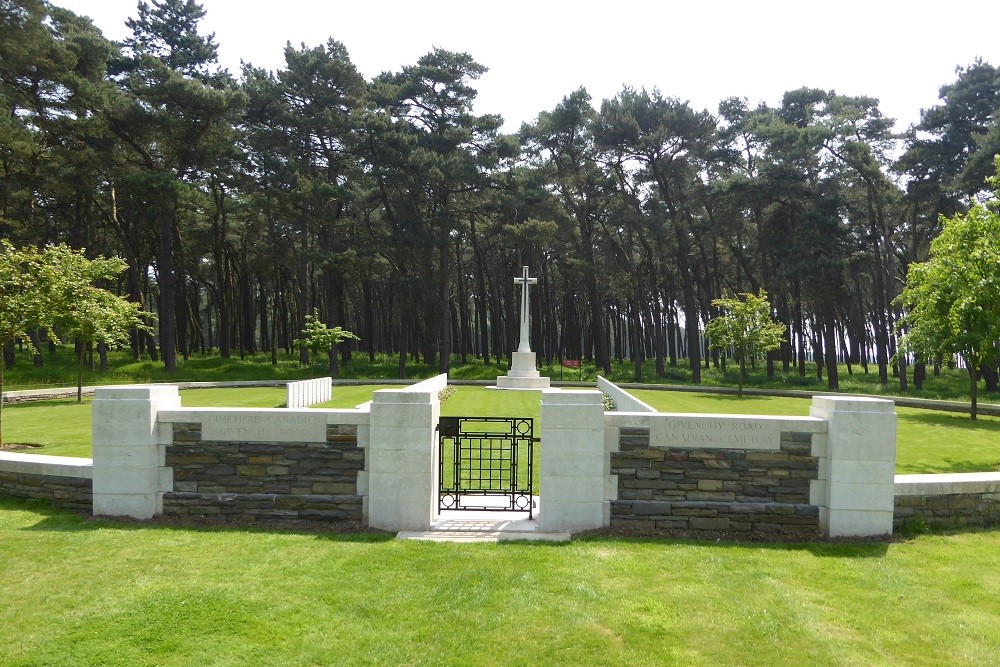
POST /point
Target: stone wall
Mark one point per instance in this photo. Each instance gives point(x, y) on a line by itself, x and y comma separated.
point(265, 480)
point(714, 489)
point(63, 481)
point(943, 501)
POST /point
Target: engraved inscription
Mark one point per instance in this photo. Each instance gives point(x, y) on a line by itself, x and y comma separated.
point(264, 427)
point(723, 433)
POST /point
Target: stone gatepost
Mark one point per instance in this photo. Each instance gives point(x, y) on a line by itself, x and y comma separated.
point(574, 463)
point(129, 449)
point(403, 456)
point(856, 489)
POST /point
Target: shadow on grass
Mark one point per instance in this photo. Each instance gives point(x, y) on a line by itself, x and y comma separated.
point(70, 521)
point(831, 548)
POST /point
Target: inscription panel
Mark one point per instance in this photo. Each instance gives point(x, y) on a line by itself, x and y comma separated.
point(276, 426)
point(715, 431)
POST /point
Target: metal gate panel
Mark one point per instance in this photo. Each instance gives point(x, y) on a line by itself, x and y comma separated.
point(486, 457)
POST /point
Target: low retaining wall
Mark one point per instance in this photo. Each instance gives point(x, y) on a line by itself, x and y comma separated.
point(64, 481)
point(304, 393)
point(676, 488)
point(624, 401)
point(963, 499)
point(266, 464)
point(251, 480)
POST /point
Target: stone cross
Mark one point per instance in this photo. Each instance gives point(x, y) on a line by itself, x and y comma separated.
point(525, 282)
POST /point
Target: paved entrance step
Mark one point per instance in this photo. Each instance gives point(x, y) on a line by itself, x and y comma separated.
point(455, 526)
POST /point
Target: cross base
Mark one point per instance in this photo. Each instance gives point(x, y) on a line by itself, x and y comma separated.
point(522, 374)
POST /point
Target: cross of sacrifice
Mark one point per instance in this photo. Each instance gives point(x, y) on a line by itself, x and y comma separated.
point(525, 282)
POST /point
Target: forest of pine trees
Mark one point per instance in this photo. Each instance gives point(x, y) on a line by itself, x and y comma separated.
point(241, 203)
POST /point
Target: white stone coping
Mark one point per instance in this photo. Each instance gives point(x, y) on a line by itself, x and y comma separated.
point(775, 422)
point(435, 384)
point(41, 464)
point(142, 392)
point(947, 484)
point(197, 415)
point(571, 397)
point(851, 403)
point(624, 401)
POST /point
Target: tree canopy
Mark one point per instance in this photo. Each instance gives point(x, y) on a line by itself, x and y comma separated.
point(953, 299)
point(396, 208)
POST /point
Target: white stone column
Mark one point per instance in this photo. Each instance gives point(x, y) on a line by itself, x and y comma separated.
point(857, 470)
point(403, 459)
point(129, 449)
point(574, 463)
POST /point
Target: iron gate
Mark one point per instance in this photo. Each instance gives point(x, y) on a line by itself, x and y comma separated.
point(486, 463)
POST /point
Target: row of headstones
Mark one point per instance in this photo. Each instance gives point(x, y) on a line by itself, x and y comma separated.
point(304, 393)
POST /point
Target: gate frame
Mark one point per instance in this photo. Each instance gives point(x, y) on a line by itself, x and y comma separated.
point(450, 429)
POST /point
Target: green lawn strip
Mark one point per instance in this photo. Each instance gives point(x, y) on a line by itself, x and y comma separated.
point(927, 441)
point(345, 397)
point(83, 592)
point(59, 370)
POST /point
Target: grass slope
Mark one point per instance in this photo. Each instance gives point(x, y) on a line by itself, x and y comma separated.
point(80, 592)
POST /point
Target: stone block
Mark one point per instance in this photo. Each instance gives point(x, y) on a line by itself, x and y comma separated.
point(571, 517)
point(704, 523)
point(572, 489)
point(651, 507)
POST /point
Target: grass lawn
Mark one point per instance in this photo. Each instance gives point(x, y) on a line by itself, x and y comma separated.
point(80, 592)
point(59, 370)
point(928, 441)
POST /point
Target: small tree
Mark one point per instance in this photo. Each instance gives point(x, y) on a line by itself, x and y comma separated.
point(747, 327)
point(85, 313)
point(319, 338)
point(952, 301)
point(24, 305)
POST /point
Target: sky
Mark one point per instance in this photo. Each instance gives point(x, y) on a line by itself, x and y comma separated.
point(537, 52)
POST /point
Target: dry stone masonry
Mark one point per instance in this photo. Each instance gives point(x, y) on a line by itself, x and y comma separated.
point(257, 480)
point(678, 488)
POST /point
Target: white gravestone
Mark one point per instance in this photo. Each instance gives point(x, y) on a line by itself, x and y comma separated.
point(522, 373)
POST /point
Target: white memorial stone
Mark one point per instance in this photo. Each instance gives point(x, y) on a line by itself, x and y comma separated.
point(522, 373)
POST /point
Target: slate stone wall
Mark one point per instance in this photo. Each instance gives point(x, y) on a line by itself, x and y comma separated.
point(63, 492)
point(948, 510)
point(726, 490)
point(252, 480)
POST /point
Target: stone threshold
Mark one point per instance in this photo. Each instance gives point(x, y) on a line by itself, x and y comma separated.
point(483, 526)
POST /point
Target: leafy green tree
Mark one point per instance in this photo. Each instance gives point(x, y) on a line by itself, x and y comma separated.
point(747, 327)
point(24, 304)
point(86, 313)
point(319, 338)
point(951, 299)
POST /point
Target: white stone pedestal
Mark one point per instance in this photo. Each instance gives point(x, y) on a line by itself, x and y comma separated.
point(522, 374)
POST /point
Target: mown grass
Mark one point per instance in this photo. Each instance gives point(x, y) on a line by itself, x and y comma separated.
point(83, 592)
point(59, 370)
point(927, 441)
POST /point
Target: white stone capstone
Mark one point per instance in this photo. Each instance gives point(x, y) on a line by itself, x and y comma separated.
point(857, 470)
point(574, 466)
point(402, 456)
point(129, 449)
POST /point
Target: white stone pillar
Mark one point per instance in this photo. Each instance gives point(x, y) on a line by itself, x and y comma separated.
point(857, 470)
point(129, 449)
point(403, 459)
point(574, 463)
